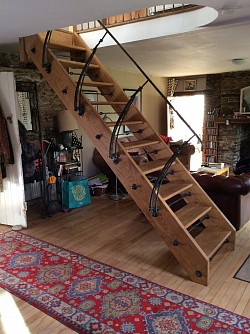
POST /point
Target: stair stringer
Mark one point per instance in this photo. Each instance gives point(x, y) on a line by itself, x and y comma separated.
point(166, 223)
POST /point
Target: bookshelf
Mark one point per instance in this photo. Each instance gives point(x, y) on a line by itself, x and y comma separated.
point(210, 135)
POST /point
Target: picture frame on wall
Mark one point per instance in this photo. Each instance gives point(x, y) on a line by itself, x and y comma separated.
point(189, 85)
point(138, 98)
point(137, 102)
point(92, 95)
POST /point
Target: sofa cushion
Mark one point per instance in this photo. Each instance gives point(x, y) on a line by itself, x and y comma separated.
point(230, 193)
point(236, 184)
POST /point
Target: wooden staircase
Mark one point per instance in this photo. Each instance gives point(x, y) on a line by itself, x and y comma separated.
point(194, 253)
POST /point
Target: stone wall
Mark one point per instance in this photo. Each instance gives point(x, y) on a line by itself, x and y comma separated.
point(48, 106)
point(48, 102)
point(223, 92)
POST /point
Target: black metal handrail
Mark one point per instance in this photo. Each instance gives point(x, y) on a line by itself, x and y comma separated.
point(113, 149)
point(153, 203)
point(45, 62)
point(78, 92)
point(151, 82)
point(113, 154)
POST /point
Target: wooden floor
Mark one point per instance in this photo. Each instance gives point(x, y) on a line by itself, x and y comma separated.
point(116, 232)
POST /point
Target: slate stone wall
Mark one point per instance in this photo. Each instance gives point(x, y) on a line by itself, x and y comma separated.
point(223, 92)
point(48, 102)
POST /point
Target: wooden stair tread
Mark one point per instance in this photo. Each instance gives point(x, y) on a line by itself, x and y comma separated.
point(108, 103)
point(173, 188)
point(125, 123)
point(152, 166)
point(191, 212)
point(64, 47)
point(98, 84)
point(76, 64)
point(139, 143)
point(211, 239)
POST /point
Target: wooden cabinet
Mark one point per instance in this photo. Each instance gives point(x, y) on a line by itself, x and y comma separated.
point(210, 137)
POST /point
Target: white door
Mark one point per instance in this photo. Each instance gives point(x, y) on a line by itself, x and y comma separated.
point(12, 199)
point(191, 108)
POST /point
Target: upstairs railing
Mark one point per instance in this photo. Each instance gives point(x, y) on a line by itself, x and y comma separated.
point(141, 14)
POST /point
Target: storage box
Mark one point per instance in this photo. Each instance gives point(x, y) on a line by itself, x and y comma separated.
point(99, 190)
point(75, 193)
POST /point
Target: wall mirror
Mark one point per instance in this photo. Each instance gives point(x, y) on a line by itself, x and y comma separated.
point(245, 100)
point(28, 107)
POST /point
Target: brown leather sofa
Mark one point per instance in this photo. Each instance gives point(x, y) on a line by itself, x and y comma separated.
point(230, 193)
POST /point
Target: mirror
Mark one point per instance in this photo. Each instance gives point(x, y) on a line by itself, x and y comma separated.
point(27, 102)
point(245, 100)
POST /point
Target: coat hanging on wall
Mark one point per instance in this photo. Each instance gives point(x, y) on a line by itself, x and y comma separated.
point(6, 152)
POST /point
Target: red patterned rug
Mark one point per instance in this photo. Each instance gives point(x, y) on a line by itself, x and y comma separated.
point(92, 297)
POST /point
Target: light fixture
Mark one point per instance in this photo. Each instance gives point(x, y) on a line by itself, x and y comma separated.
point(228, 11)
point(238, 61)
point(66, 125)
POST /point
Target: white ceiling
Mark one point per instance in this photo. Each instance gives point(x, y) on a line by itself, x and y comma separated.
point(205, 50)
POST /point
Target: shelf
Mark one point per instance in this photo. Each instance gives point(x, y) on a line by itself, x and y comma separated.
point(232, 120)
point(210, 135)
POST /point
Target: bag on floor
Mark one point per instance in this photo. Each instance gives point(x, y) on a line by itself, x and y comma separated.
point(75, 193)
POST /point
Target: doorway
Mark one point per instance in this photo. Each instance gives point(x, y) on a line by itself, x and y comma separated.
point(191, 108)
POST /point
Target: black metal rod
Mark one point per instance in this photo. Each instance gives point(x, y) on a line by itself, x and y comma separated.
point(115, 133)
point(153, 203)
point(149, 80)
point(78, 91)
point(127, 133)
point(146, 153)
point(182, 196)
point(109, 113)
point(45, 62)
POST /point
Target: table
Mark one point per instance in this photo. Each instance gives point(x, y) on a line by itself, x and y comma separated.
point(215, 171)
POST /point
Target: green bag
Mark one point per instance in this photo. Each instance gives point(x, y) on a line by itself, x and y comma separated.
point(75, 193)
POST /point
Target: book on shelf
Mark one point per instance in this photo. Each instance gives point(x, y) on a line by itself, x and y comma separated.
point(214, 165)
point(217, 165)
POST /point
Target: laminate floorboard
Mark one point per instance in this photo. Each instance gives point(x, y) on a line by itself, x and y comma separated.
point(118, 234)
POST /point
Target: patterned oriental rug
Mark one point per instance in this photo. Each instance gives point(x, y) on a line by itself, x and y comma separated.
point(92, 297)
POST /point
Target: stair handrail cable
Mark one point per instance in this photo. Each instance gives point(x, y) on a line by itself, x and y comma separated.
point(78, 91)
point(151, 82)
point(115, 133)
point(153, 203)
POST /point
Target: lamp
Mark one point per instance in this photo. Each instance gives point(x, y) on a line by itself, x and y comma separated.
point(66, 125)
point(238, 61)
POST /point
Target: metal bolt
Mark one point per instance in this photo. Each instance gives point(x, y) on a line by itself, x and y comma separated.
point(175, 243)
point(198, 273)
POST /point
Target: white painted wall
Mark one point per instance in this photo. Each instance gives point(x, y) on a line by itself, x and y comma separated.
point(154, 109)
point(12, 199)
